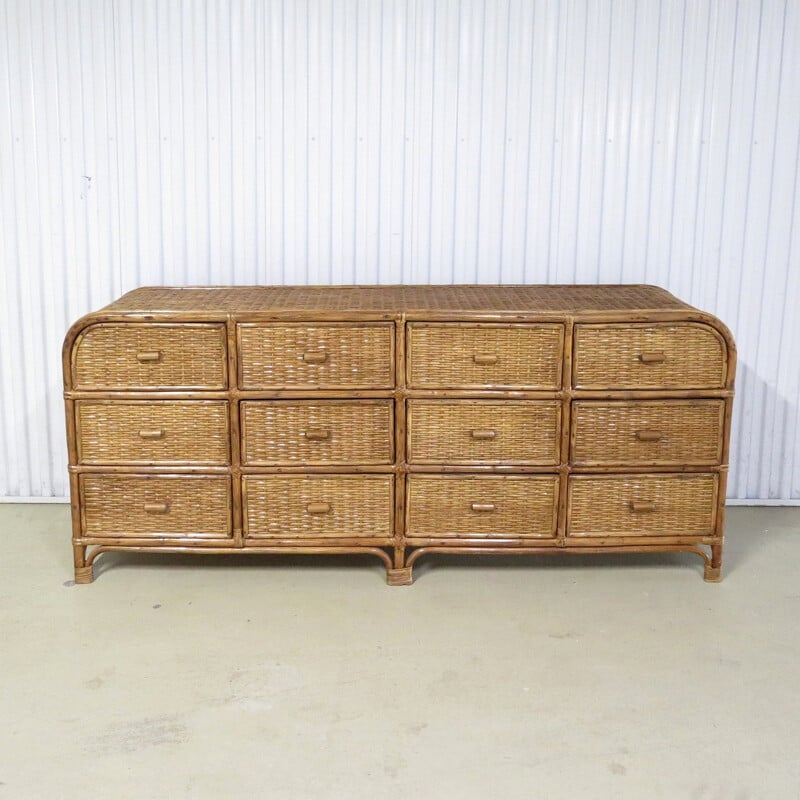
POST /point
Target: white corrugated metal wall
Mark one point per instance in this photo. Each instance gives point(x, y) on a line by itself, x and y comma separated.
point(338, 141)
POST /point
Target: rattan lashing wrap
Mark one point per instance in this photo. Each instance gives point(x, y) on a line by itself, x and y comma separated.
point(441, 506)
point(357, 355)
point(609, 356)
point(444, 431)
point(444, 355)
point(278, 505)
point(114, 505)
point(604, 433)
point(282, 432)
point(684, 505)
point(190, 356)
point(119, 432)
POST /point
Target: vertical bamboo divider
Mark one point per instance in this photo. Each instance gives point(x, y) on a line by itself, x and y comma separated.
point(235, 432)
point(566, 413)
point(400, 574)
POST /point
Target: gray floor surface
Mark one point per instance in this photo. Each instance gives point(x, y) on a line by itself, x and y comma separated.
point(289, 677)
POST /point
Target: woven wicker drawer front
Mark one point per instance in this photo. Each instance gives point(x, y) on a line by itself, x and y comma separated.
point(504, 506)
point(315, 356)
point(642, 505)
point(347, 506)
point(148, 505)
point(662, 432)
point(483, 432)
point(150, 356)
point(153, 432)
point(276, 432)
point(457, 355)
point(649, 356)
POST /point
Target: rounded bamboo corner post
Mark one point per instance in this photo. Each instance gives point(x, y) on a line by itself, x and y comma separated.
point(713, 567)
point(399, 577)
point(83, 571)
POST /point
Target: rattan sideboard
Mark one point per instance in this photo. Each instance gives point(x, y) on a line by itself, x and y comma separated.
point(398, 421)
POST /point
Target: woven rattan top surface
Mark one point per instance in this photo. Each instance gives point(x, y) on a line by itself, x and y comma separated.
point(397, 299)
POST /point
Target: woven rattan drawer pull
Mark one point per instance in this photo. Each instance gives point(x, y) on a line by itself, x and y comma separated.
point(316, 434)
point(318, 508)
point(153, 434)
point(149, 357)
point(652, 358)
point(483, 434)
point(648, 436)
point(483, 506)
point(642, 507)
point(315, 357)
point(484, 358)
point(156, 508)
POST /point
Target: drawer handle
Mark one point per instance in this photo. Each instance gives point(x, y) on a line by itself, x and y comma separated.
point(156, 508)
point(315, 357)
point(484, 358)
point(483, 434)
point(648, 436)
point(642, 506)
point(318, 508)
point(483, 506)
point(316, 434)
point(149, 357)
point(652, 358)
point(155, 434)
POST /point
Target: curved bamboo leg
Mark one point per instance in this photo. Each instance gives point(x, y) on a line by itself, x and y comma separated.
point(84, 572)
point(713, 570)
point(712, 564)
point(87, 562)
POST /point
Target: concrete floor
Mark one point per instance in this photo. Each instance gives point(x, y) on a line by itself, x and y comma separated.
point(275, 677)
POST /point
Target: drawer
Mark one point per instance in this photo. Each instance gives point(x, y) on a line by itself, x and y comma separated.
point(660, 432)
point(276, 432)
point(152, 432)
point(150, 356)
point(642, 505)
point(484, 356)
point(483, 432)
point(502, 506)
point(117, 506)
point(684, 355)
point(316, 356)
point(318, 506)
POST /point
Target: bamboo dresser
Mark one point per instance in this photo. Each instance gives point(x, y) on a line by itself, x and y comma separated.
point(398, 421)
